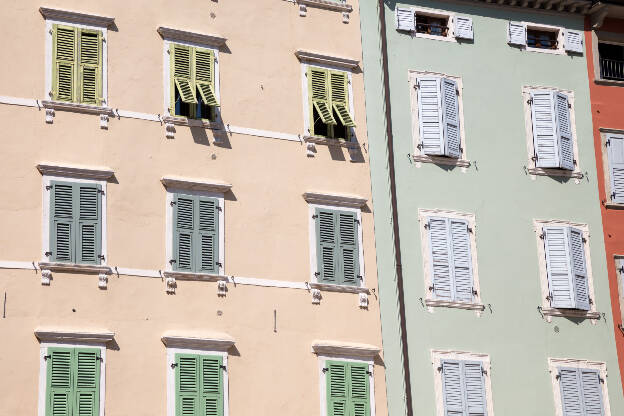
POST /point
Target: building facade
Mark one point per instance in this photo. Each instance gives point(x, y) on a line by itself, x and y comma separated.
point(189, 229)
point(493, 281)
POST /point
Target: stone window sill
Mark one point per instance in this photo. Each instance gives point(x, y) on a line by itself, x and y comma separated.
point(570, 313)
point(201, 277)
point(609, 82)
point(190, 122)
point(78, 108)
point(454, 304)
point(328, 5)
point(331, 142)
point(441, 160)
point(613, 205)
point(74, 268)
point(556, 172)
point(326, 287)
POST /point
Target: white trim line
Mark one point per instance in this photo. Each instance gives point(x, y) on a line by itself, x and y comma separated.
point(263, 133)
point(139, 116)
point(252, 281)
point(137, 272)
point(18, 265)
point(28, 102)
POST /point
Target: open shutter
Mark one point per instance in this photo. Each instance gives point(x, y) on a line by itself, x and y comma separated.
point(340, 97)
point(579, 269)
point(461, 260)
point(564, 131)
point(208, 235)
point(211, 403)
point(591, 392)
point(570, 386)
point(326, 246)
point(184, 223)
point(62, 216)
point(544, 129)
point(59, 396)
point(440, 258)
point(450, 117)
point(87, 382)
point(573, 41)
point(405, 19)
point(430, 116)
point(87, 204)
point(318, 90)
point(452, 388)
point(558, 266)
point(204, 76)
point(337, 388)
point(359, 389)
point(182, 72)
point(616, 167)
point(474, 386)
point(463, 28)
point(63, 72)
point(516, 33)
point(90, 71)
point(348, 248)
point(187, 385)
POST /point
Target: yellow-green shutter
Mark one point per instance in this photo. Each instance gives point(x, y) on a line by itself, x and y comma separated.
point(340, 97)
point(90, 66)
point(318, 92)
point(182, 74)
point(64, 51)
point(204, 76)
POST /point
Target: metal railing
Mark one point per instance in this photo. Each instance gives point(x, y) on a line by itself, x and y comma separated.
point(541, 42)
point(432, 29)
point(612, 69)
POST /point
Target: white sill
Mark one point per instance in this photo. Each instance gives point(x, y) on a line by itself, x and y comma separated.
point(201, 277)
point(78, 107)
point(191, 122)
point(331, 142)
point(455, 304)
point(442, 160)
point(614, 205)
point(609, 82)
point(74, 268)
point(549, 51)
point(448, 38)
point(328, 5)
point(570, 313)
point(576, 174)
point(327, 287)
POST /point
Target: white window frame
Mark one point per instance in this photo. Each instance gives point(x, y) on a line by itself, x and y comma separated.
point(171, 396)
point(171, 192)
point(43, 351)
point(546, 28)
point(606, 164)
point(167, 72)
point(45, 192)
point(49, 58)
point(528, 124)
point(601, 367)
point(312, 238)
point(619, 263)
point(440, 14)
point(436, 360)
point(418, 155)
point(547, 310)
point(604, 37)
point(306, 103)
point(430, 300)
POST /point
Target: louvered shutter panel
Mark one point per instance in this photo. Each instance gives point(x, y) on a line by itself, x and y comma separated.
point(544, 129)
point(87, 381)
point(59, 395)
point(440, 258)
point(516, 33)
point(474, 385)
point(340, 97)
point(211, 386)
point(564, 131)
point(204, 76)
point(327, 246)
point(337, 388)
point(558, 265)
point(461, 260)
point(318, 90)
point(405, 19)
point(62, 216)
point(579, 268)
point(182, 72)
point(184, 223)
point(616, 167)
point(452, 388)
point(208, 235)
point(187, 385)
point(430, 116)
point(570, 386)
point(450, 117)
point(349, 264)
point(359, 389)
point(574, 41)
point(90, 69)
point(89, 225)
point(463, 28)
point(591, 392)
point(64, 69)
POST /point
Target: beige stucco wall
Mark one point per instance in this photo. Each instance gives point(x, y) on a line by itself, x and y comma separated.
point(266, 218)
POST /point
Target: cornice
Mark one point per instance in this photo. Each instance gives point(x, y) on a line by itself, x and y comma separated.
point(75, 172)
point(328, 5)
point(579, 7)
point(350, 201)
point(195, 184)
point(212, 341)
point(184, 36)
point(74, 17)
point(347, 349)
point(86, 337)
point(319, 58)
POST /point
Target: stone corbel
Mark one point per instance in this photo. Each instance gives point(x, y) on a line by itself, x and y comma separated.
point(221, 288)
point(104, 121)
point(46, 275)
point(316, 296)
point(303, 10)
point(103, 281)
point(171, 285)
point(310, 149)
point(363, 301)
point(345, 17)
point(49, 115)
point(170, 131)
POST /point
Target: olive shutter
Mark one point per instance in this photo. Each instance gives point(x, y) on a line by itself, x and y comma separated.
point(558, 267)
point(545, 140)
point(439, 257)
point(474, 386)
point(207, 234)
point(463, 28)
point(62, 216)
point(574, 41)
point(516, 33)
point(579, 268)
point(348, 389)
point(90, 69)
point(64, 45)
point(461, 260)
point(184, 223)
point(591, 387)
point(564, 131)
point(204, 76)
point(348, 253)
point(89, 222)
point(340, 97)
point(405, 19)
point(59, 392)
point(430, 116)
point(87, 381)
point(182, 72)
point(326, 246)
point(318, 90)
point(450, 116)
point(616, 167)
point(452, 388)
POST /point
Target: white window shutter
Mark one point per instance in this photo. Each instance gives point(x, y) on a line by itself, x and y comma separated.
point(430, 116)
point(461, 260)
point(452, 387)
point(578, 266)
point(516, 34)
point(574, 41)
point(463, 28)
point(405, 19)
point(474, 385)
point(570, 387)
point(440, 258)
point(545, 140)
point(616, 168)
point(564, 131)
point(592, 392)
point(450, 118)
point(560, 285)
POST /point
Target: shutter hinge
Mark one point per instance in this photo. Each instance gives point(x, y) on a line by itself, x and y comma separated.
point(47, 253)
point(474, 291)
point(101, 256)
point(172, 203)
point(468, 229)
point(457, 91)
point(612, 195)
point(427, 225)
point(314, 217)
point(439, 368)
point(530, 101)
point(325, 369)
point(483, 371)
point(621, 269)
point(601, 380)
point(356, 220)
point(590, 300)
point(174, 365)
point(558, 376)
point(574, 161)
point(432, 288)
point(99, 359)
point(417, 85)
point(219, 264)
point(534, 158)
point(100, 191)
point(419, 146)
point(172, 261)
point(219, 208)
point(222, 367)
point(549, 297)
point(48, 187)
point(569, 105)
point(45, 357)
point(370, 373)
point(542, 236)
point(608, 142)
point(584, 239)
point(359, 277)
point(317, 274)
point(621, 328)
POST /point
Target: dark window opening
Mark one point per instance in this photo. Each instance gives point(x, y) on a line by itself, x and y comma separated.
point(204, 111)
point(320, 128)
point(340, 131)
point(542, 39)
point(194, 111)
point(611, 61)
point(436, 26)
point(181, 108)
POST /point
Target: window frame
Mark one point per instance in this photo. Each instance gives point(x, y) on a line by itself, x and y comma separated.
point(439, 13)
point(604, 37)
point(547, 28)
point(605, 134)
point(619, 263)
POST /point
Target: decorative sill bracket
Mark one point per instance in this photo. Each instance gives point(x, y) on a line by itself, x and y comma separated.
point(52, 106)
point(171, 122)
point(172, 277)
point(48, 267)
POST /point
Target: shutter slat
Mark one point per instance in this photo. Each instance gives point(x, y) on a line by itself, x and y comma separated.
point(208, 235)
point(62, 222)
point(544, 129)
point(326, 245)
point(462, 260)
point(90, 64)
point(450, 117)
point(207, 94)
point(343, 114)
point(89, 223)
point(430, 116)
point(558, 265)
point(87, 381)
point(616, 167)
point(579, 269)
point(204, 76)
point(564, 131)
point(359, 389)
point(65, 62)
point(440, 255)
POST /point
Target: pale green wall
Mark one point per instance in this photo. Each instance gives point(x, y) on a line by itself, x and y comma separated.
point(504, 199)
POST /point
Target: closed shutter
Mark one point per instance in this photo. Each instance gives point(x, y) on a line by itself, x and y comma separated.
point(574, 41)
point(62, 222)
point(89, 223)
point(184, 223)
point(318, 90)
point(211, 401)
point(463, 28)
point(579, 269)
point(558, 267)
point(461, 260)
point(405, 19)
point(516, 33)
point(430, 116)
point(463, 388)
point(87, 382)
point(337, 389)
point(187, 385)
point(474, 385)
point(204, 76)
point(181, 57)
point(348, 253)
point(340, 97)
point(570, 387)
point(450, 117)
point(616, 167)
point(544, 129)
point(452, 388)
point(564, 131)
point(359, 389)
point(59, 392)
point(326, 246)
point(591, 387)
point(440, 257)
point(208, 235)
point(90, 69)
point(64, 44)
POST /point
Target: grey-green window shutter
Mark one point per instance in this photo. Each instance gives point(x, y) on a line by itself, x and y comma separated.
point(208, 235)
point(87, 381)
point(59, 394)
point(184, 226)
point(62, 222)
point(198, 385)
point(348, 253)
point(89, 222)
point(326, 246)
point(337, 247)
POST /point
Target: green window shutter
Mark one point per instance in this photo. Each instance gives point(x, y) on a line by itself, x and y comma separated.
point(87, 203)
point(184, 223)
point(62, 222)
point(199, 385)
point(348, 253)
point(359, 389)
point(204, 76)
point(59, 395)
point(187, 385)
point(64, 46)
point(326, 246)
point(87, 382)
point(181, 70)
point(318, 92)
point(208, 235)
point(211, 386)
point(90, 67)
point(340, 97)
point(337, 388)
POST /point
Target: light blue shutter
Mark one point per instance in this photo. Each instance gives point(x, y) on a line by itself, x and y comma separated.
point(516, 33)
point(558, 266)
point(616, 167)
point(579, 268)
point(349, 259)
point(89, 223)
point(570, 386)
point(184, 226)
point(461, 260)
point(544, 129)
point(452, 388)
point(430, 116)
point(564, 131)
point(62, 220)
point(592, 392)
point(440, 258)
point(463, 27)
point(474, 385)
point(326, 246)
point(405, 19)
point(573, 41)
point(450, 117)
point(208, 235)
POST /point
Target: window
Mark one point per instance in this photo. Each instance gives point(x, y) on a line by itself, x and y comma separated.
point(611, 57)
point(348, 388)
point(543, 38)
point(619, 270)
point(329, 105)
point(615, 155)
point(199, 384)
point(434, 24)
